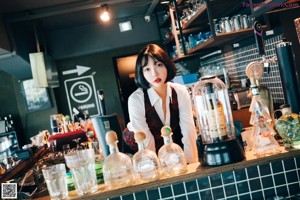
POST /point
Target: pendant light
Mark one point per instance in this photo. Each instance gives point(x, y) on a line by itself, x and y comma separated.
point(104, 14)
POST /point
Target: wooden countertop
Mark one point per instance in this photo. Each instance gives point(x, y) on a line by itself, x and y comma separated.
point(194, 171)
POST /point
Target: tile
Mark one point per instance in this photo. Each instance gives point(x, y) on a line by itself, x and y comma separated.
point(218, 193)
point(257, 195)
point(232, 198)
point(191, 186)
point(141, 195)
point(264, 169)
point(298, 161)
point(267, 182)
point(292, 176)
point(269, 193)
point(128, 197)
point(203, 183)
point(181, 198)
point(178, 189)
point(206, 194)
point(279, 179)
point(289, 164)
point(294, 188)
point(228, 177)
point(242, 187)
point(230, 190)
point(245, 197)
point(166, 192)
point(115, 198)
point(282, 191)
point(252, 172)
point(215, 180)
point(277, 166)
point(194, 196)
point(255, 184)
point(153, 194)
point(240, 175)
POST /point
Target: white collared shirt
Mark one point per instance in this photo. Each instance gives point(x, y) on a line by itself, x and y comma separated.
point(136, 110)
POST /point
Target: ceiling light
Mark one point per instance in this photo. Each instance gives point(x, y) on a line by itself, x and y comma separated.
point(104, 14)
point(125, 26)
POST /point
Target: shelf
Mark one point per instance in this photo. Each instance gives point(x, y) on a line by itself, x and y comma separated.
point(199, 18)
point(265, 6)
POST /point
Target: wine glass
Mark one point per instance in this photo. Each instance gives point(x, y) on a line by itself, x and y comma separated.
point(78, 146)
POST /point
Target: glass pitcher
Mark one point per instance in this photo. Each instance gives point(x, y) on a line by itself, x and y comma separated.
point(288, 127)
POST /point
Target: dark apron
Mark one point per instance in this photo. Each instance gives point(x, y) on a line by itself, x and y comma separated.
point(155, 124)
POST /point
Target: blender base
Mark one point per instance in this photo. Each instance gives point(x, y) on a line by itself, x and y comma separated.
point(221, 153)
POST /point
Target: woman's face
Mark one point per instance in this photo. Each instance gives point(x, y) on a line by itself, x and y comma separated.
point(155, 72)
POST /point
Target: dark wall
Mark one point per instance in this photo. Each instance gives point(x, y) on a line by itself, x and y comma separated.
point(104, 73)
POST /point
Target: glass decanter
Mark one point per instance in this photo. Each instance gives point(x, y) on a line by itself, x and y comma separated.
point(288, 127)
point(171, 155)
point(264, 143)
point(117, 167)
point(145, 161)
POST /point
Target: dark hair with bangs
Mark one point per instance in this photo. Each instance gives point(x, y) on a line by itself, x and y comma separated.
point(158, 54)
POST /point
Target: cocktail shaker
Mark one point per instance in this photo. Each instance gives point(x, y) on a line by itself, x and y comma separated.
point(288, 74)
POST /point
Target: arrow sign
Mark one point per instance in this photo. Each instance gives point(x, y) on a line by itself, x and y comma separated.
point(79, 70)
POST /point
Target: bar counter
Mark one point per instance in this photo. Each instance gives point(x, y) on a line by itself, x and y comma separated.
point(252, 178)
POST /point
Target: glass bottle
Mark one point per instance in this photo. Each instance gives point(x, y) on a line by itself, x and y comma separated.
point(145, 161)
point(117, 167)
point(216, 116)
point(288, 127)
point(171, 155)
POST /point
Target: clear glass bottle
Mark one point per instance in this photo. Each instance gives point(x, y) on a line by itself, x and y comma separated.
point(171, 156)
point(288, 127)
point(145, 161)
point(117, 167)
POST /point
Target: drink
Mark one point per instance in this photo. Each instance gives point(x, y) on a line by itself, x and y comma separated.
point(56, 181)
point(117, 167)
point(82, 167)
point(171, 155)
point(216, 118)
point(145, 161)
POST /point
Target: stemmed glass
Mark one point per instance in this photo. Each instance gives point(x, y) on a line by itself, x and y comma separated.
point(78, 146)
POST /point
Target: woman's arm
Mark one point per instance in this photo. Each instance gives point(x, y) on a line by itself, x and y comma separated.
point(136, 111)
point(187, 124)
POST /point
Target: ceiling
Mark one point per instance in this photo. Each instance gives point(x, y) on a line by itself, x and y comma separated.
point(59, 14)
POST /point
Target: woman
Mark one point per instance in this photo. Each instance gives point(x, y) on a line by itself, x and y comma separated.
point(158, 102)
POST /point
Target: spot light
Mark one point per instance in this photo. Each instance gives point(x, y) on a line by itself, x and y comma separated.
point(104, 14)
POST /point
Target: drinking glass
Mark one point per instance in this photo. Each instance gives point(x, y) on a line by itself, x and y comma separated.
point(55, 177)
point(82, 167)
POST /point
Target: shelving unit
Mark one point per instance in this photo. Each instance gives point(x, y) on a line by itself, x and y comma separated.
point(203, 21)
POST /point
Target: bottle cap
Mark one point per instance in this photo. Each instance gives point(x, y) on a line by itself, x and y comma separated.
point(166, 131)
point(111, 137)
point(139, 136)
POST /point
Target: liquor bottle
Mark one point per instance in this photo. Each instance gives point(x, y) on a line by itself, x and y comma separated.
point(117, 168)
point(11, 122)
point(145, 162)
point(6, 124)
point(170, 155)
point(215, 116)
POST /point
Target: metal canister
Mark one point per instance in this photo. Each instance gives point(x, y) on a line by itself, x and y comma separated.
point(288, 74)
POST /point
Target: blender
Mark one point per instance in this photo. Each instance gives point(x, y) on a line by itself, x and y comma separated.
point(218, 144)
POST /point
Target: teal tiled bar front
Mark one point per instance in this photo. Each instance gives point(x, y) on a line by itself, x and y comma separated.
point(253, 178)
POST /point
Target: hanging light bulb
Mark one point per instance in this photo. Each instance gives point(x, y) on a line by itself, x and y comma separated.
point(104, 15)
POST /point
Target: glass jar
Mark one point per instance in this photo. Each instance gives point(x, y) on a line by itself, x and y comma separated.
point(213, 109)
point(288, 127)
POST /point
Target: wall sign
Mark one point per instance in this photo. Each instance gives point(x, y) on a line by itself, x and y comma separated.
point(81, 93)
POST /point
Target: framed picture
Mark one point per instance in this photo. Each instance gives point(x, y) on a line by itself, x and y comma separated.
point(36, 98)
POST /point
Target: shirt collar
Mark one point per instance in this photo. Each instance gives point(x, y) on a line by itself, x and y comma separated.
point(153, 96)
